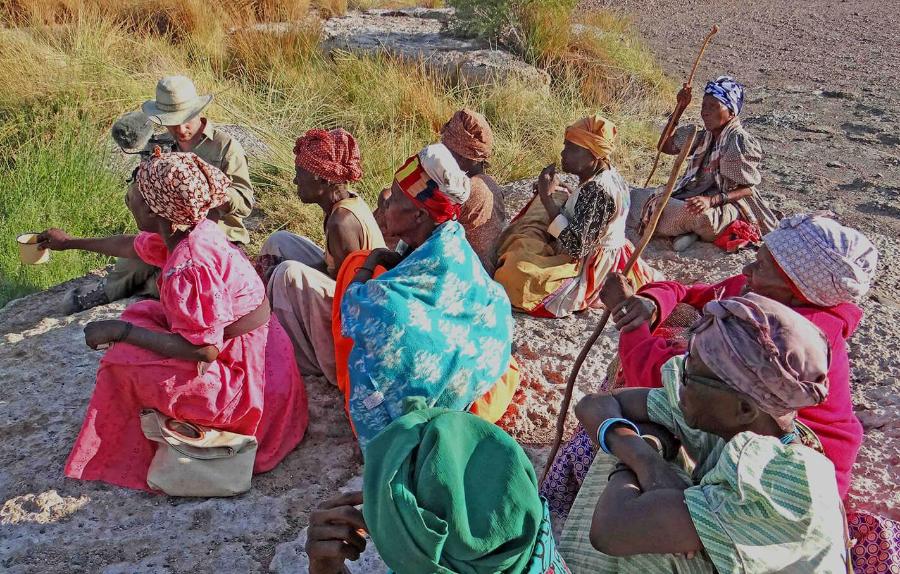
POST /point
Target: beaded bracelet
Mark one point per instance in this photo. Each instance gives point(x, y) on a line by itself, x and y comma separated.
point(601, 432)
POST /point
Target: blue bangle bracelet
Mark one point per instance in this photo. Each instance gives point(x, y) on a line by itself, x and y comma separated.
point(601, 432)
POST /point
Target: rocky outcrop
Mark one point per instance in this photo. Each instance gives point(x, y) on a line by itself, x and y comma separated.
point(422, 35)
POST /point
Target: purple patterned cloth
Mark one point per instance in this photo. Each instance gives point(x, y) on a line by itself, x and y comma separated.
point(877, 548)
point(566, 475)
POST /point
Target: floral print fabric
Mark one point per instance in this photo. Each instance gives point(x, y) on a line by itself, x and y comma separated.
point(435, 328)
point(181, 187)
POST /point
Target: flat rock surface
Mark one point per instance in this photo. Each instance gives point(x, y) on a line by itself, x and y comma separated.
point(422, 35)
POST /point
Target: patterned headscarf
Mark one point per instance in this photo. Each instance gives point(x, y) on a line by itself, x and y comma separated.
point(433, 180)
point(826, 262)
point(594, 133)
point(180, 187)
point(332, 155)
point(728, 91)
point(468, 134)
point(766, 351)
point(446, 491)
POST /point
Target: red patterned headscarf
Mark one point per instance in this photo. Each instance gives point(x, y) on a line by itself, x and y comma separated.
point(332, 155)
point(434, 182)
point(181, 187)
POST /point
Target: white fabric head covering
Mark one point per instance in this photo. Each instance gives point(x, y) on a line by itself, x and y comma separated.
point(441, 166)
point(827, 262)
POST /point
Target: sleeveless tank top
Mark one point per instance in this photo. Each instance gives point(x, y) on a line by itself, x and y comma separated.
point(372, 238)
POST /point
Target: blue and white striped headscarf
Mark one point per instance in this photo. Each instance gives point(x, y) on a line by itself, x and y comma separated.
point(728, 91)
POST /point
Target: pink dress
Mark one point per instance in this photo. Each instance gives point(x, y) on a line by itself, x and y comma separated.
point(252, 388)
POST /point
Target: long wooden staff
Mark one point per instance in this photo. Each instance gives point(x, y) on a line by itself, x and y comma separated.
point(676, 115)
point(648, 235)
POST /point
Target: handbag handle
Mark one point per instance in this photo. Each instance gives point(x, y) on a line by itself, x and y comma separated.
point(200, 433)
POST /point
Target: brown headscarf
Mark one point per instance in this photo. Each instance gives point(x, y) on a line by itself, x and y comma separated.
point(180, 187)
point(468, 134)
point(766, 351)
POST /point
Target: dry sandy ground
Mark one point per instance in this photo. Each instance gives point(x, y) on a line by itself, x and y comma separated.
point(821, 93)
point(822, 80)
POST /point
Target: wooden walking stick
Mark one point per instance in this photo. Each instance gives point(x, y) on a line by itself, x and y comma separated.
point(648, 235)
point(676, 115)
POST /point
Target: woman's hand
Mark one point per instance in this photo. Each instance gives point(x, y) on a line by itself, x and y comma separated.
point(699, 204)
point(54, 239)
point(615, 291)
point(384, 257)
point(634, 312)
point(548, 181)
point(683, 99)
point(336, 533)
point(628, 310)
point(98, 333)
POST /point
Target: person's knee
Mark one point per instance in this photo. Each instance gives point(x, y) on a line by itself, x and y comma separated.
point(275, 244)
point(290, 274)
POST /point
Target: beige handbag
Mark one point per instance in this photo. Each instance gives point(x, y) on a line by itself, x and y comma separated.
point(193, 460)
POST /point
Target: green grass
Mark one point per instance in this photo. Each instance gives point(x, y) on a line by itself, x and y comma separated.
point(55, 176)
point(65, 84)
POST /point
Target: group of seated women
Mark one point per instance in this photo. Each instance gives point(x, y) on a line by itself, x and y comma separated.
point(723, 442)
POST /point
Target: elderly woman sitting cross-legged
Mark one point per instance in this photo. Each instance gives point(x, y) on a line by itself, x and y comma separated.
point(557, 250)
point(760, 496)
point(207, 353)
point(719, 187)
point(429, 323)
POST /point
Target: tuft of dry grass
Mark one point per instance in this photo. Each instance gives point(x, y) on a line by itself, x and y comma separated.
point(72, 66)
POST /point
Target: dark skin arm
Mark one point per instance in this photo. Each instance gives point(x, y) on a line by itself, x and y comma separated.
point(629, 521)
point(172, 345)
point(652, 470)
point(547, 183)
point(642, 510)
point(683, 100)
point(336, 533)
point(381, 256)
point(700, 203)
point(345, 235)
point(115, 246)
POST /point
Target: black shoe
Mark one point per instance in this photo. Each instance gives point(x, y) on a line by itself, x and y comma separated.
point(87, 297)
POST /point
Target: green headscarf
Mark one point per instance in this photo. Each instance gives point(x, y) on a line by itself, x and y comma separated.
point(446, 492)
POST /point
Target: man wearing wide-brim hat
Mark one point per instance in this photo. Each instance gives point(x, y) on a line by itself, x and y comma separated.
point(178, 107)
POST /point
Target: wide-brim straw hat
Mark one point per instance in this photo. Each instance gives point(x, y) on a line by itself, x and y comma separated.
point(176, 101)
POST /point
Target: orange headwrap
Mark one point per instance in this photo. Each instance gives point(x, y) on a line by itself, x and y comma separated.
point(594, 133)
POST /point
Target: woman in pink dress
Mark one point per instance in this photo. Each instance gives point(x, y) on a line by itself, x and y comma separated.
point(208, 352)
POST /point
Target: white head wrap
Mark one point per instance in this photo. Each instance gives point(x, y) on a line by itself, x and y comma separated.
point(441, 166)
point(827, 262)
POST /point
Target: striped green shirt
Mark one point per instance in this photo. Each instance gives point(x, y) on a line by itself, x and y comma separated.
point(758, 505)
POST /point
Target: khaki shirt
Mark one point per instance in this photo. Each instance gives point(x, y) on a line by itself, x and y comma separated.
point(219, 149)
